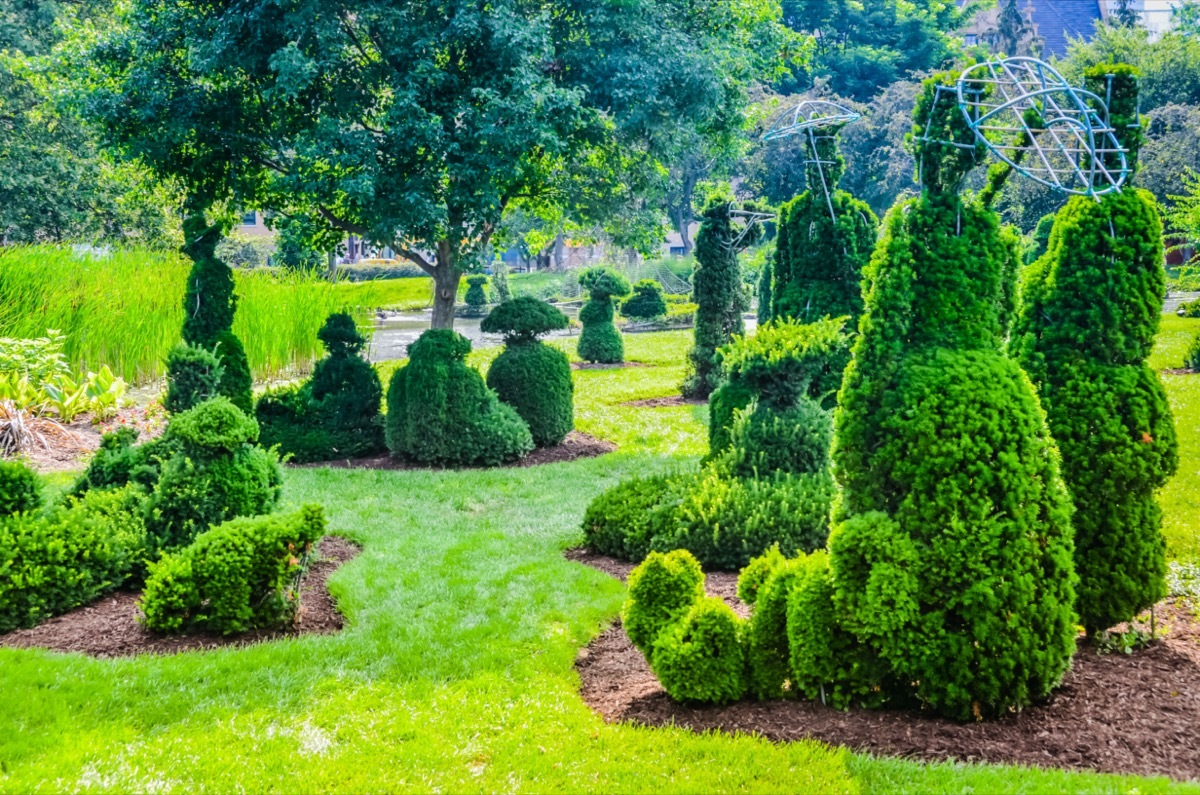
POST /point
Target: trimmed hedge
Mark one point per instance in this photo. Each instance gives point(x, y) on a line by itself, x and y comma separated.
point(647, 302)
point(600, 341)
point(623, 520)
point(440, 411)
point(237, 576)
point(20, 489)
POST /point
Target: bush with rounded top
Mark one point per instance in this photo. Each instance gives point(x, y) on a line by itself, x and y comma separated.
point(600, 341)
point(194, 375)
point(624, 520)
point(20, 488)
point(440, 411)
point(1089, 315)
point(647, 302)
point(752, 578)
point(524, 319)
point(476, 298)
point(662, 589)
point(535, 379)
point(701, 658)
point(764, 441)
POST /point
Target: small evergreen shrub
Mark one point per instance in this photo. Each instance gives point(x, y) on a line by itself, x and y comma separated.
point(20, 489)
point(476, 298)
point(662, 589)
point(78, 552)
point(237, 576)
point(767, 637)
point(1189, 309)
point(764, 441)
point(754, 575)
point(1192, 358)
point(237, 383)
point(120, 461)
point(701, 657)
point(600, 341)
point(500, 286)
point(440, 411)
point(646, 303)
point(194, 375)
point(623, 520)
point(533, 378)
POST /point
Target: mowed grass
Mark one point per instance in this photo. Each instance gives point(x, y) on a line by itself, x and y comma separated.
point(1180, 498)
point(455, 670)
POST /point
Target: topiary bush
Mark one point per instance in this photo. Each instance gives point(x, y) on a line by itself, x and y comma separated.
point(440, 411)
point(623, 520)
point(217, 473)
point(1089, 315)
point(20, 489)
point(701, 658)
point(78, 552)
point(764, 441)
point(824, 242)
point(120, 461)
point(240, 575)
point(533, 378)
point(942, 435)
point(767, 635)
point(237, 383)
point(647, 302)
point(476, 298)
point(1192, 358)
point(600, 342)
point(334, 415)
point(194, 375)
point(662, 589)
point(755, 574)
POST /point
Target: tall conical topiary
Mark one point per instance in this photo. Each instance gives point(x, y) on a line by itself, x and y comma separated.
point(209, 304)
point(825, 241)
point(1088, 317)
point(951, 554)
point(717, 288)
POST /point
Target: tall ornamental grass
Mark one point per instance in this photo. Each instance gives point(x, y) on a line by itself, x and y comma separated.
point(124, 309)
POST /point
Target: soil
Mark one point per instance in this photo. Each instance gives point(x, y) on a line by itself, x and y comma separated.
point(577, 445)
point(1179, 371)
point(109, 626)
point(1116, 713)
point(72, 450)
point(601, 366)
point(664, 402)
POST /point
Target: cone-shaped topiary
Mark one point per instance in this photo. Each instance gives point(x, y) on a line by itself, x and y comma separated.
point(940, 435)
point(717, 288)
point(600, 341)
point(528, 375)
point(825, 241)
point(336, 414)
point(440, 411)
point(647, 302)
point(1089, 315)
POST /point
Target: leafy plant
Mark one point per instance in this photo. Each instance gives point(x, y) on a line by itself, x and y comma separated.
point(600, 341)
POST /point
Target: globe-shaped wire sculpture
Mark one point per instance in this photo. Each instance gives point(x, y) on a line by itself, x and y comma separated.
point(806, 115)
point(1047, 130)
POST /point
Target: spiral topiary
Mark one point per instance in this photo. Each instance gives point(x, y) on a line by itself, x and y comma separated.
point(1089, 314)
point(600, 342)
point(528, 375)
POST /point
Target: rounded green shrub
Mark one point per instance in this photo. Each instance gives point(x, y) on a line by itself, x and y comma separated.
point(20, 488)
point(524, 319)
point(767, 636)
point(440, 411)
point(600, 341)
point(623, 520)
point(476, 296)
point(764, 441)
point(194, 375)
point(752, 578)
point(646, 303)
point(662, 589)
point(701, 659)
point(1192, 357)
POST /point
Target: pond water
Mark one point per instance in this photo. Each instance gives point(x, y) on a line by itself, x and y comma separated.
point(395, 331)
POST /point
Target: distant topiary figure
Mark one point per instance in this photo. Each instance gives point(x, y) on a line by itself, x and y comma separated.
point(20, 488)
point(209, 304)
point(717, 287)
point(500, 286)
point(600, 341)
point(476, 298)
point(336, 414)
point(1089, 315)
point(529, 375)
point(951, 550)
point(647, 302)
point(440, 411)
point(194, 375)
point(825, 241)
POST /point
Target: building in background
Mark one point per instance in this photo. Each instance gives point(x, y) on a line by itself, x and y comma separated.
point(1053, 24)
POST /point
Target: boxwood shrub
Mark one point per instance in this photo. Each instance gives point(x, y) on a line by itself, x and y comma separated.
point(701, 658)
point(600, 341)
point(194, 375)
point(20, 488)
point(662, 589)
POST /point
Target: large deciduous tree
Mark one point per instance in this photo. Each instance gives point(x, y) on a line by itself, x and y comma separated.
point(415, 124)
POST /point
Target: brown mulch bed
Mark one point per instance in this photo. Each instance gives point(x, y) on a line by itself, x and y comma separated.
point(1114, 713)
point(599, 366)
point(670, 401)
point(109, 626)
point(577, 445)
point(75, 447)
point(1179, 371)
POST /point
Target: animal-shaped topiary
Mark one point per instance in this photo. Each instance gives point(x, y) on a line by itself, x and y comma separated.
point(1089, 315)
point(334, 415)
point(529, 375)
point(600, 341)
point(440, 411)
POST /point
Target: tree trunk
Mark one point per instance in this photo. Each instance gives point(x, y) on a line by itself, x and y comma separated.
point(445, 287)
point(560, 252)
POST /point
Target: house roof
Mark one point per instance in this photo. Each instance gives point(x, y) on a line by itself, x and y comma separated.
point(1058, 21)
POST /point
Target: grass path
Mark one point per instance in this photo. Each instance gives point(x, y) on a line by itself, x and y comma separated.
point(454, 673)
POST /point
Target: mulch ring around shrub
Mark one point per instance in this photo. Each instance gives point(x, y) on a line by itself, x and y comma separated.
point(1179, 371)
point(601, 366)
point(109, 626)
point(1114, 713)
point(671, 401)
point(577, 445)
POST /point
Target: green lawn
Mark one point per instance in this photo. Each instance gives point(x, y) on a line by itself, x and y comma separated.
point(454, 673)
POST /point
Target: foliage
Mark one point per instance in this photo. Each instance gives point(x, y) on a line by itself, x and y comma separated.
point(755, 574)
point(242, 251)
point(476, 297)
point(35, 377)
point(767, 637)
point(623, 520)
point(79, 551)
point(600, 341)
point(662, 589)
point(535, 379)
point(38, 360)
point(336, 413)
point(500, 286)
point(238, 576)
point(1171, 151)
point(440, 411)
point(647, 302)
point(1192, 358)
point(194, 375)
point(1085, 345)
point(523, 319)
point(20, 489)
point(1184, 217)
point(765, 440)
point(120, 461)
point(1168, 65)
point(701, 657)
